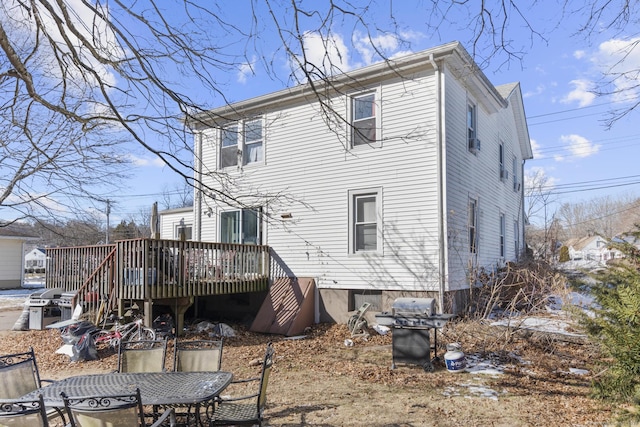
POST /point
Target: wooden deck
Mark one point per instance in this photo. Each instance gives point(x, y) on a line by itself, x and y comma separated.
point(145, 271)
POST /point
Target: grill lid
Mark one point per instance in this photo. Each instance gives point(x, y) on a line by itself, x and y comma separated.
point(414, 307)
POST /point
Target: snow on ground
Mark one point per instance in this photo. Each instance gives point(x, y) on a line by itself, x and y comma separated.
point(555, 320)
point(15, 298)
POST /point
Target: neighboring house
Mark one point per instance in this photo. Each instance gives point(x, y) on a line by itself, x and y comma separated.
point(175, 223)
point(12, 247)
point(35, 260)
point(411, 186)
point(591, 249)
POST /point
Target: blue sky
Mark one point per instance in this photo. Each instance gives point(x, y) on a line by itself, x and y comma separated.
point(580, 157)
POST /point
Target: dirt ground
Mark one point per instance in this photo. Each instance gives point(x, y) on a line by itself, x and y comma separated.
point(319, 381)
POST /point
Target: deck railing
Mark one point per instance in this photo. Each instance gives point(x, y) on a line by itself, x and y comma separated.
point(150, 269)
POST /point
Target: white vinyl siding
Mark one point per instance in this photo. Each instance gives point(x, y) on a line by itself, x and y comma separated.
point(308, 162)
point(312, 167)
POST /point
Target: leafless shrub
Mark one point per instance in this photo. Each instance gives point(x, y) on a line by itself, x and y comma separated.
point(523, 287)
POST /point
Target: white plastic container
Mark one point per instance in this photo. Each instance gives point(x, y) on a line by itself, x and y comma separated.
point(454, 358)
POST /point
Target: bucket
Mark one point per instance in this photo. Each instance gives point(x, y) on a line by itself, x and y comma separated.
point(454, 358)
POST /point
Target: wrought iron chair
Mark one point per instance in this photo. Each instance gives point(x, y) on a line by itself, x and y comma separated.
point(142, 356)
point(200, 355)
point(246, 410)
point(23, 413)
point(120, 410)
point(196, 356)
point(19, 375)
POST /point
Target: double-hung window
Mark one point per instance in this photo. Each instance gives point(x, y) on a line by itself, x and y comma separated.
point(504, 174)
point(252, 150)
point(472, 129)
point(229, 146)
point(473, 226)
point(363, 119)
point(503, 237)
point(242, 142)
point(365, 223)
point(516, 184)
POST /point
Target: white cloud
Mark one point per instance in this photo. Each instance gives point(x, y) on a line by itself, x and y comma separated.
point(579, 54)
point(245, 70)
point(537, 91)
point(582, 93)
point(579, 146)
point(619, 61)
point(145, 161)
point(329, 54)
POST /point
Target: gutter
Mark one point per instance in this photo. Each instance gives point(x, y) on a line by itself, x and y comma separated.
point(442, 222)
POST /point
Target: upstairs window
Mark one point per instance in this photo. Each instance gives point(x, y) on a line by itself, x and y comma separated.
point(472, 136)
point(242, 147)
point(516, 183)
point(229, 146)
point(363, 119)
point(253, 152)
point(504, 173)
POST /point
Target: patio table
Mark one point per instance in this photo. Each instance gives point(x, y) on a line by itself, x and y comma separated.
point(156, 388)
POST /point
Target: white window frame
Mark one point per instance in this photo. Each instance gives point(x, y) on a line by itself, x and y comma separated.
point(229, 148)
point(516, 186)
point(472, 128)
point(504, 173)
point(249, 140)
point(354, 196)
point(188, 227)
point(503, 236)
point(473, 226)
point(377, 116)
point(244, 143)
point(239, 231)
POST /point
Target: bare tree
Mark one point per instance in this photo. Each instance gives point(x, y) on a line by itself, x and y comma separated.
point(78, 77)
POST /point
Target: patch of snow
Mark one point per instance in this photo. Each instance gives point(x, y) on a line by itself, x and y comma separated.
point(15, 298)
point(577, 371)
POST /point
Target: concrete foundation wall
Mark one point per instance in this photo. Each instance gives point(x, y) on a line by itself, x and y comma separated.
point(335, 305)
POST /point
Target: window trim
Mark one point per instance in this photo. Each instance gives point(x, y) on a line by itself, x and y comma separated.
point(353, 195)
point(471, 119)
point(377, 117)
point(240, 218)
point(223, 130)
point(473, 226)
point(503, 235)
point(242, 143)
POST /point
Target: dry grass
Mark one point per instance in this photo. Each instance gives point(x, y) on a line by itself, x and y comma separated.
point(318, 381)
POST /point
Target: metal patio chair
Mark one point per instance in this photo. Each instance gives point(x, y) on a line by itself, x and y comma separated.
point(113, 411)
point(246, 410)
point(199, 355)
point(23, 413)
point(196, 356)
point(19, 375)
point(142, 356)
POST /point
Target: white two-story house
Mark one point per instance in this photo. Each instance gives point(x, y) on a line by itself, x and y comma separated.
point(396, 179)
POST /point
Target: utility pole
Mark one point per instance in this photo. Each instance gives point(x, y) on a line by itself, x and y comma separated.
point(108, 212)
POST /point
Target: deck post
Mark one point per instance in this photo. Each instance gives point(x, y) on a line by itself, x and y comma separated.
point(181, 307)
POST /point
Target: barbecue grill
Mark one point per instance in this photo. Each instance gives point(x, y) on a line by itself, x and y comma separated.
point(411, 319)
point(41, 304)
